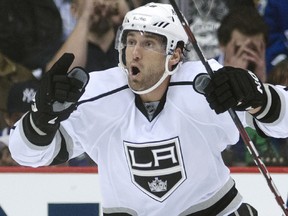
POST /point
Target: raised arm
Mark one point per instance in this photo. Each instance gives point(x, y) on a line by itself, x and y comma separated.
point(242, 90)
point(36, 139)
point(77, 42)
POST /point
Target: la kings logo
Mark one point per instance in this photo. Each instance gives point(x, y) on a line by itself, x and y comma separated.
point(156, 168)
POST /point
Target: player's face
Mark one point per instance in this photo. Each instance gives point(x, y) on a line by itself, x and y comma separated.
point(145, 59)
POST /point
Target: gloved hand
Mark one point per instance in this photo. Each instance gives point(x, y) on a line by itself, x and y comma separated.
point(235, 88)
point(57, 95)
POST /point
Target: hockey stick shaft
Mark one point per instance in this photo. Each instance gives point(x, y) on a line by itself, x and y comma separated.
point(246, 139)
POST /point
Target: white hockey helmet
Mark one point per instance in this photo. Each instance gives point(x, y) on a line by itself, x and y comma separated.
point(156, 18)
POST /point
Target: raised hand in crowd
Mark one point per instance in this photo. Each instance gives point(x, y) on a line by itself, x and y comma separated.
point(247, 53)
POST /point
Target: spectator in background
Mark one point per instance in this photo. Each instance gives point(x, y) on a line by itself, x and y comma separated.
point(28, 26)
point(10, 73)
point(18, 102)
point(93, 38)
point(204, 18)
point(242, 38)
point(243, 44)
point(279, 73)
point(275, 15)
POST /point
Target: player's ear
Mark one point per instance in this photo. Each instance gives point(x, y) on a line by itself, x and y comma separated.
point(175, 58)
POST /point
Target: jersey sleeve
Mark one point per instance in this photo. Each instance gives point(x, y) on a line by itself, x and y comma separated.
point(273, 121)
point(59, 151)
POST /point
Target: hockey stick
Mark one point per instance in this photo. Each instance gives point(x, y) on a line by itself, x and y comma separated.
point(246, 139)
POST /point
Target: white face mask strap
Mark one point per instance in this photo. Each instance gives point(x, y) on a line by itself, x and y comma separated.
point(165, 75)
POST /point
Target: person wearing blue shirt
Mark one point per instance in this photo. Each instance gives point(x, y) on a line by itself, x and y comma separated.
point(275, 15)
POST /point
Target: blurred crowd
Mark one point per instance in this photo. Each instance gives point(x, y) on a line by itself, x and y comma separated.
point(34, 34)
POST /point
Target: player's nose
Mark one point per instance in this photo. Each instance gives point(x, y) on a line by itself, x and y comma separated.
point(137, 50)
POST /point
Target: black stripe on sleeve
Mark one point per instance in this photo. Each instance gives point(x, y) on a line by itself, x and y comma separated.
point(63, 154)
point(33, 136)
point(258, 130)
point(275, 108)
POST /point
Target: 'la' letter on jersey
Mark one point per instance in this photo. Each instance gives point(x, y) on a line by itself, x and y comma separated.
point(156, 168)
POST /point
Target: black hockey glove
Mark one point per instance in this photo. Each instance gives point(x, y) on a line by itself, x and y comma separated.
point(57, 96)
point(235, 88)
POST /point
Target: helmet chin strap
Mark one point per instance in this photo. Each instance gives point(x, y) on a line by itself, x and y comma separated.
point(160, 81)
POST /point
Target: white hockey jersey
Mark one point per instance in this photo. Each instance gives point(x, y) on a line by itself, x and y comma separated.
point(162, 166)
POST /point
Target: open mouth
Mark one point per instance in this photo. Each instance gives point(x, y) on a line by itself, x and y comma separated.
point(135, 70)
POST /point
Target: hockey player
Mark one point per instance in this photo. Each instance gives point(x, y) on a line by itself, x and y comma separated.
point(155, 139)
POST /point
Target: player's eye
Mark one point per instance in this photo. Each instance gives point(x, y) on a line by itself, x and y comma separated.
point(148, 45)
point(130, 42)
point(153, 45)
